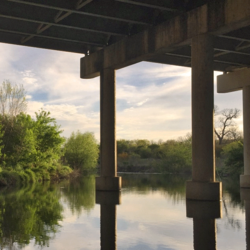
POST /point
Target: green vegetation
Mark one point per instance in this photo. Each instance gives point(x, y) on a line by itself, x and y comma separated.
point(175, 156)
point(232, 155)
point(81, 151)
point(172, 156)
point(32, 149)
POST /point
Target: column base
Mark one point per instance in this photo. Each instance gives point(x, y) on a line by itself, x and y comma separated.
point(206, 191)
point(245, 181)
point(106, 183)
point(108, 198)
point(203, 209)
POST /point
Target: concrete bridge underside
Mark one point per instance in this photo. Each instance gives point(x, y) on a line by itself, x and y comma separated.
point(212, 35)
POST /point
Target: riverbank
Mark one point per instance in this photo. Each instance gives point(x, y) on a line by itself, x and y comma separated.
point(11, 177)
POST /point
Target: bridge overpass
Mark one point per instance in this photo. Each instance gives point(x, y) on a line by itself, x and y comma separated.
point(205, 35)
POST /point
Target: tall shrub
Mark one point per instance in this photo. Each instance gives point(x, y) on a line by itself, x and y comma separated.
point(81, 151)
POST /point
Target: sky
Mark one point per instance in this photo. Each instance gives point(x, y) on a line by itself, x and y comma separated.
point(153, 100)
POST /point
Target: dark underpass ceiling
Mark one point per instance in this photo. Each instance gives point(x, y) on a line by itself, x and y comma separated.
point(86, 26)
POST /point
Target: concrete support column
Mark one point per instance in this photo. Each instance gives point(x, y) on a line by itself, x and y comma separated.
point(203, 185)
point(108, 179)
point(245, 179)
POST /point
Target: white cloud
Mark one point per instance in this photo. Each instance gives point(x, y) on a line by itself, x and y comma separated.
point(153, 100)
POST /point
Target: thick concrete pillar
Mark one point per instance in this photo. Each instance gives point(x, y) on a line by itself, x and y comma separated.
point(108, 202)
point(203, 185)
point(233, 81)
point(204, 214)
point(245, 179)
point(108, 180)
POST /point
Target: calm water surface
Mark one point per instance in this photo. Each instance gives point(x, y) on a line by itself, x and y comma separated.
point(150, 213)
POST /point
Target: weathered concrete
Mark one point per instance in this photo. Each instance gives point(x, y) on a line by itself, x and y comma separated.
point(203, 109)
point(233, 81)
point(108, 179)
point(204, 224)
point(108, 202)
point(216, 17)
point(240, 80)
point(207, 191)
point(202, 186)
point(203, 209)
point(108, 183)
point(245, 179)
point(246, 127)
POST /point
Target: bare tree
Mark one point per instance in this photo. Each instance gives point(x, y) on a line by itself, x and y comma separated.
point(12, 99)
point(225, 126)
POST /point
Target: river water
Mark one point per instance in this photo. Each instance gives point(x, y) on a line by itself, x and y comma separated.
point(150, 213)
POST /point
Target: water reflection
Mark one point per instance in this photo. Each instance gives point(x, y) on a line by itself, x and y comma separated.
point(245, 195)
point(79, 194)
point(153, 216)
point(29, 213)
point(108, 202)
point(204, 214)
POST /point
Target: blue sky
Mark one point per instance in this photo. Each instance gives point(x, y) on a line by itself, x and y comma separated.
point(153, 100)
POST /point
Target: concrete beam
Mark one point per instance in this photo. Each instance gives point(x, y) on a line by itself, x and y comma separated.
point(216, 17)
point(233, 81)
point(240, 80)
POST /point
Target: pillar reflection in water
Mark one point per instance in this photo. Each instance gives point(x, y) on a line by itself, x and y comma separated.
point(204, 214)
point(245, 195)
point(108, 202)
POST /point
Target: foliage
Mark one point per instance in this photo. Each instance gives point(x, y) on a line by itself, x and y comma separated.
point(233, 158)
point(177, 156)
point(81, 151)
point(12, 99)
point(30, 148)
point(172, 156)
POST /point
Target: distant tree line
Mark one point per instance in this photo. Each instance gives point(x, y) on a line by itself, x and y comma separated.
point(175, 156)
point(171, 156)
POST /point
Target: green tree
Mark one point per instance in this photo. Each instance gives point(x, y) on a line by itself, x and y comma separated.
point(81, 151)
point(177, 155)
point(48, 137)
point(233, 158)
point(18, 140)
point(26, 140)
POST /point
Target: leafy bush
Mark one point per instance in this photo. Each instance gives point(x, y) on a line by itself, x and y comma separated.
point(81, 151)
point(233, 162)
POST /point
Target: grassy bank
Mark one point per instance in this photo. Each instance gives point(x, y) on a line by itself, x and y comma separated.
point(10, 177)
